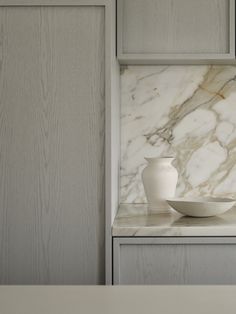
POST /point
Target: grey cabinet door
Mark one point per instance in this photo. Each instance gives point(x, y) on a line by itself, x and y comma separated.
point(154, 261)
point(52, 144)
point(180, 29)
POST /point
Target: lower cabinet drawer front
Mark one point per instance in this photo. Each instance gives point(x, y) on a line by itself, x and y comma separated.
point(144, 264)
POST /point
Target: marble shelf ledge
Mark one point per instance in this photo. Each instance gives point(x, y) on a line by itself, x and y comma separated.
point(133, 220)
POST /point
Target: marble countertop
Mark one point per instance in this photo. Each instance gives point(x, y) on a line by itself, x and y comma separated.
point(134, 220)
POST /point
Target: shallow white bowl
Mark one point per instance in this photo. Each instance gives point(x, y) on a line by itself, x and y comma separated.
point(201, 206)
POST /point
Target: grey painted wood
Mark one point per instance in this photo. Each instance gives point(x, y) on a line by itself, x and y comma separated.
point(197, 261)
point(182, 26)
point(178, 59)
point(55, 3)
point(182, 30)
point(112, 164)
point(52, 145)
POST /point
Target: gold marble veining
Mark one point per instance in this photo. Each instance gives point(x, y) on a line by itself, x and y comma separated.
point(187, 111)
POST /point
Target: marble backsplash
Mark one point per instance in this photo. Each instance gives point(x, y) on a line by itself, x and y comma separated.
point(185, 111)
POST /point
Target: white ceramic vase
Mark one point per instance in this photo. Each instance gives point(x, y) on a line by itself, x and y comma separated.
point(159, 180)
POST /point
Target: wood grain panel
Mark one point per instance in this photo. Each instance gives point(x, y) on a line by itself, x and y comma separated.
point(177, 264)
point(175, 27)
point(52, 145)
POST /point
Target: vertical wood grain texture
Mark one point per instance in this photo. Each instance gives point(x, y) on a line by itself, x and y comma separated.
point(51, 145)
point(176, 264)
point(180, 26)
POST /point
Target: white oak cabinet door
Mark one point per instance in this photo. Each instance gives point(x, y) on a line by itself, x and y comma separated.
point(174, 261)
point(176, 31)
point(51, 143)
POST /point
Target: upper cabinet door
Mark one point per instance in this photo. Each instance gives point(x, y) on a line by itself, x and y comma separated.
point(176, 31)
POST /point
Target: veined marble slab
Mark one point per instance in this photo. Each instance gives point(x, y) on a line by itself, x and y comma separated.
point(186, 111)
point(133, 220)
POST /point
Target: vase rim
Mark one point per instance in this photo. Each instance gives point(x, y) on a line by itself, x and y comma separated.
point(162, 158)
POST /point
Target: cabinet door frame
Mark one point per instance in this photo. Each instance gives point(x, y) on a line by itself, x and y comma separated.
point(119, 241)
point(112, 75)
point(172, 58)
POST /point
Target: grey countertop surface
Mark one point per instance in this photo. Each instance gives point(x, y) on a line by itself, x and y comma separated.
point(133, 220)
point(117, 299)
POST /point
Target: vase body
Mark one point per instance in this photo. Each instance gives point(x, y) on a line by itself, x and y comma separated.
point(159, 180)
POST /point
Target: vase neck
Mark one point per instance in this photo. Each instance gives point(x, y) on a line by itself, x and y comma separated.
point(160, 160)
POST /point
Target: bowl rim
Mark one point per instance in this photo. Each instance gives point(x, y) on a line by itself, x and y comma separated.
point(202, 199)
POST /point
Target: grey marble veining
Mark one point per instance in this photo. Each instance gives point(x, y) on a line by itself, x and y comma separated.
point(187, 111)
point(134, 220)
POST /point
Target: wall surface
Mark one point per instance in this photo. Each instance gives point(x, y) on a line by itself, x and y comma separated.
point(185, 111)
point(52, 145)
